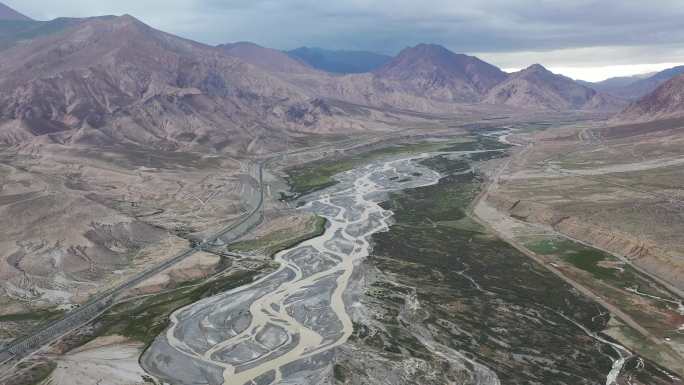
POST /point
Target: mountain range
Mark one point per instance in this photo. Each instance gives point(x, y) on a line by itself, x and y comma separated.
point(635, 87)
point(615, 83)
point(113, 80)
point(537, 86)
point(666, 102)
point(434, 72)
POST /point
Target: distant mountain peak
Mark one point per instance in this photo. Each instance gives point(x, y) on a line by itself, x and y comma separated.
point(7, 13)
point(127, 20)
point(242, 44)
point(537, 68)
point(425, 51)
point(541, 72)
point(429, 48)
point(536, 87)
point(432, 67)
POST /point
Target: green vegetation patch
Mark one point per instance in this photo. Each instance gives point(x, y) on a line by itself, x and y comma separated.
point(477, 294)
point(446, 165)
point(583, 257)
point(35, 372)
point(38, 315)
point(590, 259)
point(421, 207)
point(480, 143)
point(22, 324)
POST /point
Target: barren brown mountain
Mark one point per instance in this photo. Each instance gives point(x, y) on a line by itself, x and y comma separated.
point(437, 73)
point(538, 88)
point(115, 80)
point(424, 78)
point(266, 58)
point(667, 101)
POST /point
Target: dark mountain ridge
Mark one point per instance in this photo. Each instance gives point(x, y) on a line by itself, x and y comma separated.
point(340, 61)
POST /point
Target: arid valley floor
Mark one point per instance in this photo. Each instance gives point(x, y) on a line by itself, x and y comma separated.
point(489, 264)
point(179, 213)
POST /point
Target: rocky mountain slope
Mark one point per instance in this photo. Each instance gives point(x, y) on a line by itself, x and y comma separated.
point(7, 13)
point(13, 32)
point(437, 73)
point(667, 101)
point(430, 78)
point(538, 88)
point(114, 80)
point(614, 83)
point(266, 58)
point(635, 87)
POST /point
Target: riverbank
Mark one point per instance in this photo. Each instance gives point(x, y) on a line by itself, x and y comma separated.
point(443, 301)
point(440, 298)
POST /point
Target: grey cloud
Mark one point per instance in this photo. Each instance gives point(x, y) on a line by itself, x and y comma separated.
point(493, 26)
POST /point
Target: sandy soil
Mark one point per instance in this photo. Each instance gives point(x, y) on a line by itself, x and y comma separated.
point(84, 218)
point(619, 194)
point(104, 361)
point(198, 265)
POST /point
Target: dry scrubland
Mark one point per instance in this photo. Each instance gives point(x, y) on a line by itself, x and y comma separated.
point(79, 220)
point(601, 206)
point(623, 194)
point(130, 209)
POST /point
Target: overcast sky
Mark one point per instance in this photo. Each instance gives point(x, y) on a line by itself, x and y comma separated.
point(586, 39)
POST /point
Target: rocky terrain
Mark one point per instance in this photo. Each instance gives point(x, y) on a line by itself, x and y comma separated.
point(115, 80)
point(600, 205)
point(439, 74)
point(635, 87)
point(121, 145)
point(666, 102)
point(126, 209)
point(269, 59)
point(537, 87)
point(9, 14)
point(108, 80)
